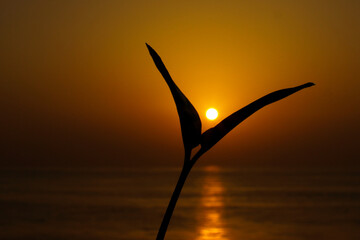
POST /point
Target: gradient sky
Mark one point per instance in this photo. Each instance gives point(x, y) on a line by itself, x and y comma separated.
point(78, 87)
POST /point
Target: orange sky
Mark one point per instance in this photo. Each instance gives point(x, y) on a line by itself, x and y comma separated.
point(78, 87)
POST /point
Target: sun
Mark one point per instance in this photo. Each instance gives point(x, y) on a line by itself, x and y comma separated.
point(211, 113)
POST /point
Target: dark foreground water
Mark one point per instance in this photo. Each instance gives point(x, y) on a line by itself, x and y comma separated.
point(216, 204)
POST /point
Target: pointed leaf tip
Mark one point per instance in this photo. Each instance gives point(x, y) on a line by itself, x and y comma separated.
point(150, 49)
point(309, 84)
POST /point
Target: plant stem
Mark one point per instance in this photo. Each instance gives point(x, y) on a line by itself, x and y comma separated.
point(175, 196)
point(188, 164)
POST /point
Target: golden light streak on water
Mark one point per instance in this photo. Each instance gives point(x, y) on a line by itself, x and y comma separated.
point(211, 226)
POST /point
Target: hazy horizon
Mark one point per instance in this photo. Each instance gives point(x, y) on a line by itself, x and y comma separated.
point(216, 204)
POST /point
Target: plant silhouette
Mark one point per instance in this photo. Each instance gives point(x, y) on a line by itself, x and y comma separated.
point(191, 129)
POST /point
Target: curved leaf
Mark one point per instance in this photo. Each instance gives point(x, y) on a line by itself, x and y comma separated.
point(189, 118)
point(213, 135)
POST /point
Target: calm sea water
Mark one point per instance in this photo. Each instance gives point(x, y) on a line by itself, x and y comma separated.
point(216, 204)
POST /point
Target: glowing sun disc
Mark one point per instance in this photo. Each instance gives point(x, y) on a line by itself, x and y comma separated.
point(211, 113)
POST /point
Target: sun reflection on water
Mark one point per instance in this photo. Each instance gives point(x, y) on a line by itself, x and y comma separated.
point(211, 226)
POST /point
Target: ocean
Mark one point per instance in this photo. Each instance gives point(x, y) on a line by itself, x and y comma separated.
point(215, 204)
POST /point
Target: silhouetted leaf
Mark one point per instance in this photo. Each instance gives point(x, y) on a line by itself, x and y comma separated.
point(189, 118)
point(213, 135)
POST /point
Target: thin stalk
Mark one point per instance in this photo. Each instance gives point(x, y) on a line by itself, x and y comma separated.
point(175, 196)
point(188, 164)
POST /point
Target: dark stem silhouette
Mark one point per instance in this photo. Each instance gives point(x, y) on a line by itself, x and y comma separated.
point(175, 196)
point(191, 129)
point(188, 164)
